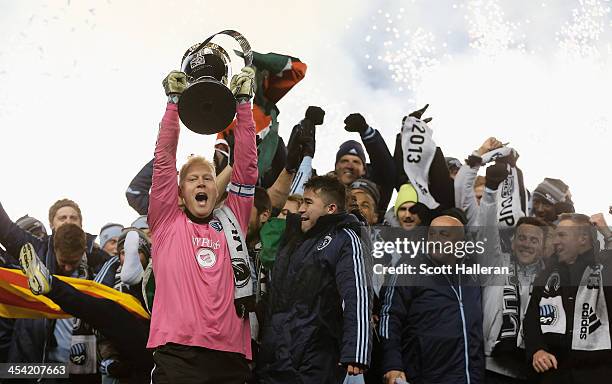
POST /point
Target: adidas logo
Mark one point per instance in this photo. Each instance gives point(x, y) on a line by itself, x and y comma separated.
point(589, 321)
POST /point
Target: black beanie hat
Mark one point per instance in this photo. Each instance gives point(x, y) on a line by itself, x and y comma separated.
point(351, 147)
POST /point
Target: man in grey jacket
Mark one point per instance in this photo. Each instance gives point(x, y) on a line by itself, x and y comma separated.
point(505, 297)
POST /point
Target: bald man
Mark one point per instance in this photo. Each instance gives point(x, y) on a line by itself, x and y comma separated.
point(432, 323)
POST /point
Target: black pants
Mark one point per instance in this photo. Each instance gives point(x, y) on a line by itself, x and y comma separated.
point(127, 332)
point(495, 378)
point(586, 375)
point(185, 364)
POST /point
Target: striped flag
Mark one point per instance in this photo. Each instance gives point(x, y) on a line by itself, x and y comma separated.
point(17, 301)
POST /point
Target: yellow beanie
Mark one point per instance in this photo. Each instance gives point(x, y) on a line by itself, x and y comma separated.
point(406, 193)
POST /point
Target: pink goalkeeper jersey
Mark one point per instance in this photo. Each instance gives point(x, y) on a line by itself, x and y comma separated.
point(194, 280)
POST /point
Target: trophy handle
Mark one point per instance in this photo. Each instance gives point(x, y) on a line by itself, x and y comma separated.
point(242, 41)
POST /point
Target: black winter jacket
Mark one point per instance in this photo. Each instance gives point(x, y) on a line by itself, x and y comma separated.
point(563, 280)
point(320, 304)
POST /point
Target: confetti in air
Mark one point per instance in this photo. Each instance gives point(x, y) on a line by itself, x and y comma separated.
point(405, 48)
point(405, 53)
point(489, 31)
point(578, 38)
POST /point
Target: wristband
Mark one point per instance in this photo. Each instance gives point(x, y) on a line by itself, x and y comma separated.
point(173, 98)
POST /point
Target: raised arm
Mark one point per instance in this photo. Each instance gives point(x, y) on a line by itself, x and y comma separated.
point(465, 198)
point(300, 151)
point(137, 193)
point(163, 204)
point(12, 237)
point(381, 161)
point(244, 170)
point(489, 231)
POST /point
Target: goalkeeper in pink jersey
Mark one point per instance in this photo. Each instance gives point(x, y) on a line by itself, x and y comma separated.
point(199, 325)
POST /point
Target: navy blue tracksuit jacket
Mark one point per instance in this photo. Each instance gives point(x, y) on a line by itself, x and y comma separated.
point(432, 329)
point(319, 306)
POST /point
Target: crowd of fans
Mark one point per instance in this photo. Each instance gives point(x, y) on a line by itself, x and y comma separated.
point(254, 267)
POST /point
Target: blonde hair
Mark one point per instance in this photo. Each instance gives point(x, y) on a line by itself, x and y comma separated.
point(194, 160)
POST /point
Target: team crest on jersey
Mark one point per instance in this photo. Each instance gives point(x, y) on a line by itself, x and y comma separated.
point(553, 283)
point(206, 258)
point(549, 314)
point(216, 225)
point(324, 243)
point(78, 354)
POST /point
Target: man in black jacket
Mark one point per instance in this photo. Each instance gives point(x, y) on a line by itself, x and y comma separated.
point(567, 328)
point(317, 325)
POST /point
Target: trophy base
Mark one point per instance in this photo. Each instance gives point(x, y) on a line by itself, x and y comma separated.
point(207, 107)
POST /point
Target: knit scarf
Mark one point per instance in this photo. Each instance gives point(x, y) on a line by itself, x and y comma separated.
point(590, 322)
point(83, 343)
point(239, 255)
point(511, 194)
point(514, 304)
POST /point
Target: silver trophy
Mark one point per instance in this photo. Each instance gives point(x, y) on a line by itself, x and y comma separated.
point(207, 106)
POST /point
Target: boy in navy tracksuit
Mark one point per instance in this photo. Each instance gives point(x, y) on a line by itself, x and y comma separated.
point(317, 326)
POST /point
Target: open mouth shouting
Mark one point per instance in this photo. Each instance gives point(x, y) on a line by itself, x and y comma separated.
point(201, 197)
point(200, 205)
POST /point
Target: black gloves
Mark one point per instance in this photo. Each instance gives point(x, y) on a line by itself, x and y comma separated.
point(355, 123)
point(302, 140)
point(315, 115)
point(510, 159)
point(418, 114)
point(307, 137)
point(294, 150)
point(496, 173)
point(244, 306)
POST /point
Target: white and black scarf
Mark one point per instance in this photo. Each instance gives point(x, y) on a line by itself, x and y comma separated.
point(590, 322)
point(241, 263)
point(418, 149)
point(511, 194)
point(515, 299)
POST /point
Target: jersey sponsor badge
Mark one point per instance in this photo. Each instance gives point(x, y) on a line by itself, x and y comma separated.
point(206, 258)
